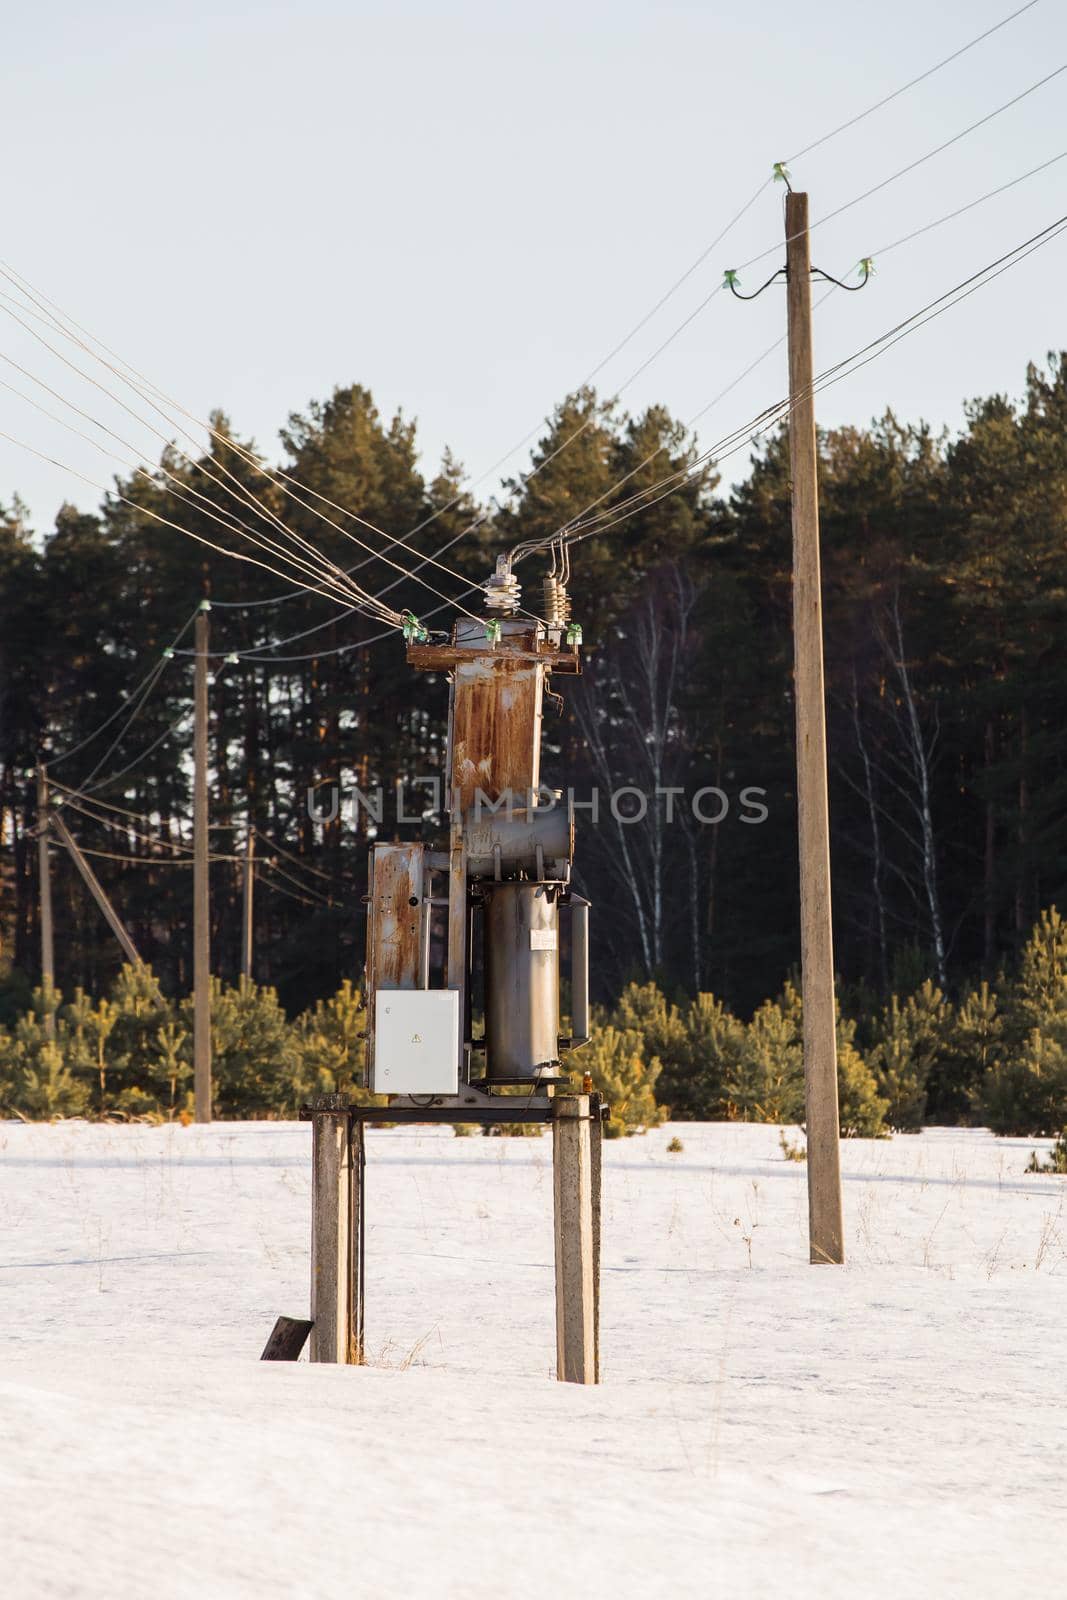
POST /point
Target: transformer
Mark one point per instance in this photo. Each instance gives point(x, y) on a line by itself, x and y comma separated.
point(502, 891)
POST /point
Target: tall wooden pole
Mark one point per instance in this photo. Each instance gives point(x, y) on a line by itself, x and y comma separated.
point(44, 875)
point(825, 1227)
point(201, 892)
point(248, 887)
point(576, 1209)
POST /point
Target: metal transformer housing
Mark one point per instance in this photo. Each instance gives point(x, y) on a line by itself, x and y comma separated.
point(521, 982)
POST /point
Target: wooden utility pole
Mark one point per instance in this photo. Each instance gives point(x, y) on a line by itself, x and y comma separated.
point(576, 1208)
point(201, 892)
point(44, 874)
point(247, 886)
point(337, 1232)
point(825, 1227)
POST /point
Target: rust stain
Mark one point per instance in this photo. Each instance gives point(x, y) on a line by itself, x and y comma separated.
point(496, 727)
point(394, 945)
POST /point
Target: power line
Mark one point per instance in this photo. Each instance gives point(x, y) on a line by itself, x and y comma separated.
point(181, 489)
point(22, 284)
point(165, 735)
point(677, 284)
point(54, 760)
point(843, 127)
point(911, 166)
point(279, 888)
point(75, 803)
point(238, 555)
point(777, 412)
point(298, 860)
point(521, 550)
point(289, 878)
point(312, 553)
point(950, 216)
point(280, 480)
point(834, 374)
point(123, 811)
point(144, 861)
point(698, 261)
point(139, 703)
point(901, 172)
point(715, 451)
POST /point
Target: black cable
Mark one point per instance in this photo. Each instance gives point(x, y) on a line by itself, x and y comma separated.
point(850, 288)
point(833, 374)
point(912, 165)
point(730, 282)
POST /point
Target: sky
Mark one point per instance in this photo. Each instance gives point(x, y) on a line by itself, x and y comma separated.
point(465, 207)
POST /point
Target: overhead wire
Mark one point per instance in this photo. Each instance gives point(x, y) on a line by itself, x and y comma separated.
point(143, 510)
point(139, 703)
point(291, 855)
point(911, 166)
point(54, 760)
point(24, 287)
point(527, 547)
point(64, 323)
point(124, 811)
point(834, 374)
point(57, 321)
point(146, 861)
point(181, 488)
point(257, 652)
point(852, 122)
point(289, 878)
point(75, 803)
point(684, 277)
point(305, 898)
point(311, 552)
point(856, 200)
point(165, 735)
point(777, 412)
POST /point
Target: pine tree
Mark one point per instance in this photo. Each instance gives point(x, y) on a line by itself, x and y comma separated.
point(49, 1089)
point(332, 1040)
point(1024, 1091)
point(767, 1082)
point(625, 1077)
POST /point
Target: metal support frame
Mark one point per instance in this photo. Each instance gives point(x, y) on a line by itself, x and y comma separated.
point(338, 1216)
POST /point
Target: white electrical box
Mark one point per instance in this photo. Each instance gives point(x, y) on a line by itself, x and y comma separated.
point(416, 1041)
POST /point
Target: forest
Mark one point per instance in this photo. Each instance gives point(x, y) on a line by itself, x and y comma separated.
point(946, 656)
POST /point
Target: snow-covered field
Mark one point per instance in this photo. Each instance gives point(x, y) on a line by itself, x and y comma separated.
point(893, 1428)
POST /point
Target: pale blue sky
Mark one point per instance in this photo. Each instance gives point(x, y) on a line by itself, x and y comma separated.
point(465, 206)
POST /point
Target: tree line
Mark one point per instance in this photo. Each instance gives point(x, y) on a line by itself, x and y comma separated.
point(946, 647)
point(996, 1056)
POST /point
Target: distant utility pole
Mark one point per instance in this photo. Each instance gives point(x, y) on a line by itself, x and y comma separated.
point(44, 874)
point(248, 885)
point(201, 888)
point(825, 1227)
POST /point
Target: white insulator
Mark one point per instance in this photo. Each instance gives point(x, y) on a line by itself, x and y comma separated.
point(557, 604)
point(503, 591)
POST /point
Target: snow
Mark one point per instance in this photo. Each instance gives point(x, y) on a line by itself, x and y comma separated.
point(764, 1427)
